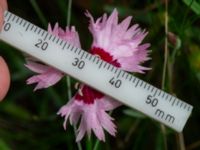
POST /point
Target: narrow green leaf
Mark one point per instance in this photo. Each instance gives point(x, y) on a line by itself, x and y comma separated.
point(15, 110)
point(134, 113)
point(159, 141)
point(194, 5)
point(3, 145)
point(39, 13)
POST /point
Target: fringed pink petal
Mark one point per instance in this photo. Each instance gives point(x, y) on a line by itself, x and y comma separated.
point(81, 130)
point(113, 19)
point(106, 122)
point(93, 123)
point(75, 115)
point(131, 65)
point(70, 34)
point(123, 26)
point(65, 108)
point(122, 51)
point(65, 111)
point(131, 31)
point(46, 79)
point(107, 103)
point(142, 53)
point(36, 67)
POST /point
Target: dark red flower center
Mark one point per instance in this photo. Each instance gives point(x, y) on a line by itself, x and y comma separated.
point(88, 95)
point(105, 56)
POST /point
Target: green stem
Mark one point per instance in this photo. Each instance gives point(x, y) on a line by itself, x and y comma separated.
point(78, 143)
point(180, 141)
point(194, 145)
point(179, 136)
point(170, 63)
point(69, 92)
point(89, 143)
point(39, 13)
point(163, 129)
point(96, 146)
point(69, 12)
point(132, 130)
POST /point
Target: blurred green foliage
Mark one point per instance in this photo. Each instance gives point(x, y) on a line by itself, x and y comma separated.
point(194, 5)
point(28, 119)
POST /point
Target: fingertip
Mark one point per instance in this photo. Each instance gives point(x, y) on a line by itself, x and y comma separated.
point(4, 4)
point(3, 7)
point(4, 79)
point(1, 17)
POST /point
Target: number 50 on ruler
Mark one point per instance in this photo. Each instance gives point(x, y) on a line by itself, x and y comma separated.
point(95, 72)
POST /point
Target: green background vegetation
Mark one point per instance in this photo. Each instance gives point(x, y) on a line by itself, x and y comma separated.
point(28, 119)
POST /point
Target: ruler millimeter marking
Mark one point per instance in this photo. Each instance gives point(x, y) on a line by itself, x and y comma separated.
point(95, 72)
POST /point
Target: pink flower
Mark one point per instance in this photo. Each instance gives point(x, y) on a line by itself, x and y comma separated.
point(48, 76)
point(120, 46)
point(91, 107)
point(119, 42)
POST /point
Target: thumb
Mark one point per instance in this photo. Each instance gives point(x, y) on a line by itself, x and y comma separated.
point(4, 78)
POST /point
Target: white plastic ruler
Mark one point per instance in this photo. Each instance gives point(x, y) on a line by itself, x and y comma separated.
point(94, 72)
